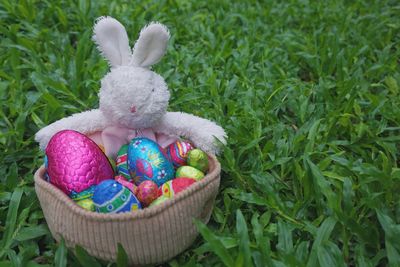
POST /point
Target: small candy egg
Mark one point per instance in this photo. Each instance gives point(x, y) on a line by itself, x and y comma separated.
point(177, 152)
point(173, 187)
point(147, 192)
point(128, 184)
point(159, 200)
point(189, 171)
point(148, 161)
point(87, 204)
point(75, 162)
point(85, 194)
point(111, 197)
point(122, 162)
point(198, 159)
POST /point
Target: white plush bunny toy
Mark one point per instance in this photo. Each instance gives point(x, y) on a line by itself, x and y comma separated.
point(134, 99)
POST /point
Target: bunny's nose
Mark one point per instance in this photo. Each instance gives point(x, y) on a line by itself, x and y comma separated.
point(133, 108)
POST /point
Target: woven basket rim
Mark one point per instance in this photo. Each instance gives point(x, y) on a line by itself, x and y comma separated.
point(215, 169)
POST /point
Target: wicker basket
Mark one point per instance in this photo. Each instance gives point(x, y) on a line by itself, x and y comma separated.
point(149, 236)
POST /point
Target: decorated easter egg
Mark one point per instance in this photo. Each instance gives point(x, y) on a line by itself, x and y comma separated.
point(189, 171)
point(147, 192)
point(111, 197)
point(177, 152)
point(85, 194)
point(87, 204)
point(198, 159)
point(122, 162)
point(148, 161)
point(173, 187)
point(159, 200)
point(128, 184)
point(75, 162)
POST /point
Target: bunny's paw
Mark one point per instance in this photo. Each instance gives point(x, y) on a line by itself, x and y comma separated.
point(204, 133)
point(209, 138)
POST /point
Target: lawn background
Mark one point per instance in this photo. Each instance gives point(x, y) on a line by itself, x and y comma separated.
point(308, 92)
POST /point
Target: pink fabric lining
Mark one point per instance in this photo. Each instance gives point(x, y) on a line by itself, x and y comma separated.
point(113, 137)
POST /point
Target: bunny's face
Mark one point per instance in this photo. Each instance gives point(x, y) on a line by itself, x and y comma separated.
point(132, 95)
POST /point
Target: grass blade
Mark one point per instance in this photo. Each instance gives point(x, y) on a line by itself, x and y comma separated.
point(11, 220)
point(84, 258)
point(216, 245)
point(241, 228)
point(323, 233)
point(122, 257)
point(60, 258)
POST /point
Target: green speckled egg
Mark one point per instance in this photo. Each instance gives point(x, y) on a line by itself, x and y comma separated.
point(159, 200)
point(198, 159)
point(190, 172)
point(87, 204)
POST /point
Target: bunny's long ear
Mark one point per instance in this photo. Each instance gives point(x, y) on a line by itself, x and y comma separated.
point(151, 45)
point(112, 41)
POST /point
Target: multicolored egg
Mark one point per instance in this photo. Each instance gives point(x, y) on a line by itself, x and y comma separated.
point(197, 159)
point(122, 162)
point(87, 204)
point(85, 194)
point(147, 192)
point(112, 197)
point(173, 187)
point(177, 152)
point(159, 200)
point(75, 162)
point(189, 171)
point(128, 184)
point(148, 161)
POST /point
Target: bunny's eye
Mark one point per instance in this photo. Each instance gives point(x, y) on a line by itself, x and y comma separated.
point(152, 90)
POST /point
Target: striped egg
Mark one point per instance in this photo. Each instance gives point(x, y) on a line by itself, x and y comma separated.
point(122, 162)
point(85, 194)
point(177, 152)
point(111, 197)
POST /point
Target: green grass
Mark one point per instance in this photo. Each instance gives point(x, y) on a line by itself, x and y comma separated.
point(308, 92)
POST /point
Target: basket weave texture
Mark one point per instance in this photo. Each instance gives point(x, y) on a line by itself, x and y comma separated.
point(149, 236)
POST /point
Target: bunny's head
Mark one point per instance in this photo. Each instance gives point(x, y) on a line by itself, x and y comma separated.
point(132, 95)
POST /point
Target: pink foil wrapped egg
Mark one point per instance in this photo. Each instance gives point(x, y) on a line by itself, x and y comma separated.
point(75, 162)
point(147, 192)
point(177, 152)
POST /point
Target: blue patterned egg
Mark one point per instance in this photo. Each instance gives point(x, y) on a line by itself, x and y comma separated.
point(111, 197)
point(148, 161)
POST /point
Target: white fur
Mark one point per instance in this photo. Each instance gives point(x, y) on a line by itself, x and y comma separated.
point(112, 41)
point(85, 122)
point(201, 131)
point(151, 45)
point(131, 84)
